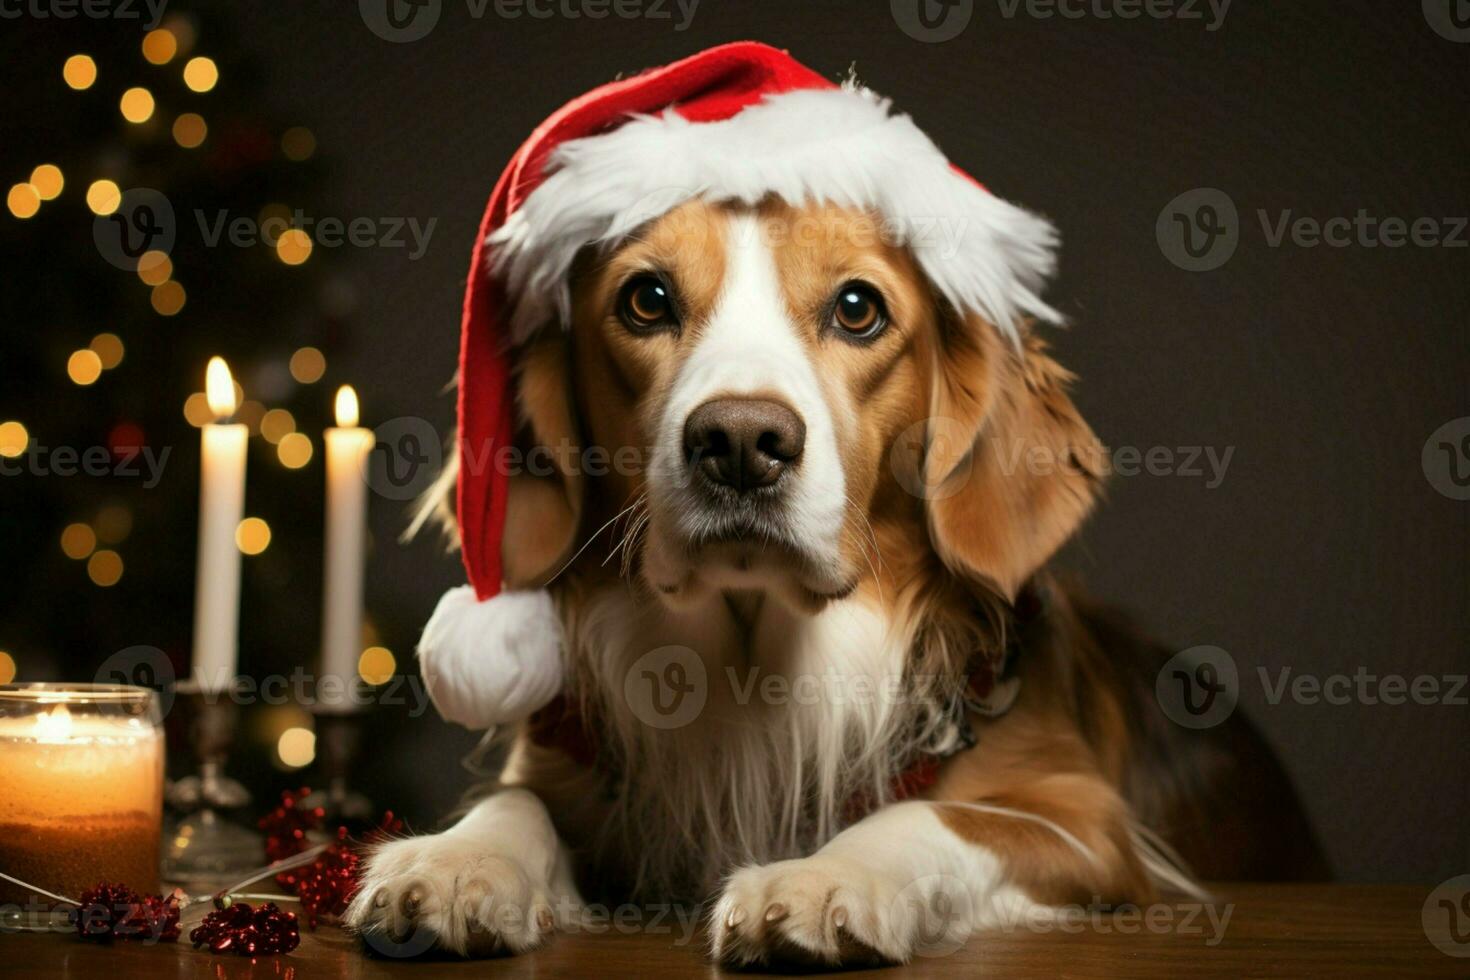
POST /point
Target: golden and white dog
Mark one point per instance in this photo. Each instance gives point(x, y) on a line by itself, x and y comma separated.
point(791, 533)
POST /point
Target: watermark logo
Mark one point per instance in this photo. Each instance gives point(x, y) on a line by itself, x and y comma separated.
point(142, 222)
point(932, 21)
point(1450, 19)
point(667, 687)
point(400, 21)
point(1446, 459)
point(407, 455)
point(1199, 687)
point(932, 459)
point(1199, 230)
point(1446, 917)
point(141, 666)
point(939, 911)
point(409, 944)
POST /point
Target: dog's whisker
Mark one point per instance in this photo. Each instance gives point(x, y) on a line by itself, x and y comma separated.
point(629, 545)
point(591, 538)
point(864, 541)
point(633, 515)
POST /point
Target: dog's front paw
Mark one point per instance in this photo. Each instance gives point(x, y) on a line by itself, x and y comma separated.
point(819, 910)
point(447, 892)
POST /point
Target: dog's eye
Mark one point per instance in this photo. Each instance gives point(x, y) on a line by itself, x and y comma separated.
point(646, 304)
point(858, 312)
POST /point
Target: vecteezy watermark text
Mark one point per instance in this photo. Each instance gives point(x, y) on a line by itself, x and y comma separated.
point(360, 232)
point(306, 689)
point(144, 223)
point(90, 9)
point(402, 21)
point(935, 21)
point(125, 462)
point(1184, 10)
point(148, 666)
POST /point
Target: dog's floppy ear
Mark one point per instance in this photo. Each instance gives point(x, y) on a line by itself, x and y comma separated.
point(1010, 467)
point(544, 503)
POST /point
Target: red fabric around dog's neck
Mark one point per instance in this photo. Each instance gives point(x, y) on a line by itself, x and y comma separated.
point(709, 86)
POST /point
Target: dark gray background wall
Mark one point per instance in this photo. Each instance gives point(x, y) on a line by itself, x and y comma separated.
point(1324, 549)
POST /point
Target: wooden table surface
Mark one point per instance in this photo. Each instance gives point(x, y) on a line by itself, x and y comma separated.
point(1272, 931)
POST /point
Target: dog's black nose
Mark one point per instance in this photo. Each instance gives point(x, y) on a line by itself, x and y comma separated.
point(743, 443)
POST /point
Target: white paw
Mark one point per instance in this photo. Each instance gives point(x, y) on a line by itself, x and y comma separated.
point(826, 910)
point(449, 893)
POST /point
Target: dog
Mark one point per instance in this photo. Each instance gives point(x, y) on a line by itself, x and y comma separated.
point(820, 679)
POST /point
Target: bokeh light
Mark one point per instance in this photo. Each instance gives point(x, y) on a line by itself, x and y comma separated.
point(197, 410)
point(294, 450)
point(190, 130)
point(109, 348)
point(308, 365)
point(253, 535)
point(84, 367)
point(182, 28)
point(276, 424)
point(294, 246)
point(155, 267)
point(273, 219)
point(296, 748)
point(13, 439)
point(48, 181)
point(298, 143)
point(114, 524)
point(23, 201)
point(105, 568)
point(7, 668)
point(377, 665)
point(78, 541)
point(201, 74)
point(168, 298)
point(160, 46)
point(103, 196)
point(80, 71)
point(137, 104)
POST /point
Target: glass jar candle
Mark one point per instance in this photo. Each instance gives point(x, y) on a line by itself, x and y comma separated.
point(81, 793)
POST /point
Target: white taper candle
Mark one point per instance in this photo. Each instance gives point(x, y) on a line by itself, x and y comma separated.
point(347, 446)
point(221, 505)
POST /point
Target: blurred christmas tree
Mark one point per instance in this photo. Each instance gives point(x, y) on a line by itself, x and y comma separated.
point(109, 321)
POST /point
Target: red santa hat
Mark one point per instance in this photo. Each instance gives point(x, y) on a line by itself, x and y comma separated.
point(737, 122)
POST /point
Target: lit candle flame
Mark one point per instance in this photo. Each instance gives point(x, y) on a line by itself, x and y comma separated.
point(219, 389)
point(346, 407)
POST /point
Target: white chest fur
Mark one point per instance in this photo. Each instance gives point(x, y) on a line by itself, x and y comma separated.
point(741, 729)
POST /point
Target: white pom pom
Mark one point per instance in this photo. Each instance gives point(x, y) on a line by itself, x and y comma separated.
point(493, 662)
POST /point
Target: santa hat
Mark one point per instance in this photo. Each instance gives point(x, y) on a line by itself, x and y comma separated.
point(738, 122)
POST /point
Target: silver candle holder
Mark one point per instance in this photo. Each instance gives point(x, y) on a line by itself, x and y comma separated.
point(206, 845)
